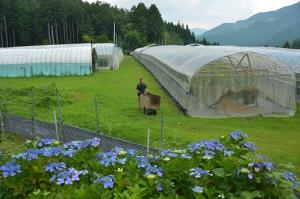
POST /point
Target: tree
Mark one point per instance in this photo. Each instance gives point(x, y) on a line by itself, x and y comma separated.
point(286, 45)
point(154, 24)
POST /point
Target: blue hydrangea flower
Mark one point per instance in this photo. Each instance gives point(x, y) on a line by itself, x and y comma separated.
point(198, 172)
point(153, 170)
point(289, 176)
point(258, 166)
point(78, 145)
point(249, 145)
point(213, 146)
point(55, 151)
point(45, 142)
point(131, 152)
point(250, 176)
point(186, 156)
point(95, 141)
point(237, 135)
point(142, 161)
point(107, 159)
point(30, 154)
point(10, 169)
point(108, 181)
point(67, 177)
point(70, 152)
point(55, 166)
point(228, 153)
point(197, 189)
point(168, 153)
point(159, 187)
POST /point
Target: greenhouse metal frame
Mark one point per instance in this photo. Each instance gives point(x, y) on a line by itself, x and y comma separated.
point(219, 82)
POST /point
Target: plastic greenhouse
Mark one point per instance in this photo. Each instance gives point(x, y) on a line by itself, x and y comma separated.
point(57, 60)
point(108, 56)
point(222, 82)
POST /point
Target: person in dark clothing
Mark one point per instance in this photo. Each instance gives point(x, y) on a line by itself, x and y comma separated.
point(141, 88)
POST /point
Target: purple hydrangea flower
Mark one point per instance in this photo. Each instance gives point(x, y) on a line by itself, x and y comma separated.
point(198, 172)
point(45, 142)
point(197, 189)
point(108, 181)
point(237, 135)
point(55, 166)
point(67, 177)
point(249, 145)
point(10, 169)
point(153, 170)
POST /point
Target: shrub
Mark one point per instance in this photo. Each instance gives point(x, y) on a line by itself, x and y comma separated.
point(224, 168)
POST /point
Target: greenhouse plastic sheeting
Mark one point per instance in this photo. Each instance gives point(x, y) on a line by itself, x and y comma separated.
point(222, 82)
point(56, 60)
point(110, 52)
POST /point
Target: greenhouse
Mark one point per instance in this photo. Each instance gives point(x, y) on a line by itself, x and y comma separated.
point(109, 56)
point(222, 82)
point(58, 60)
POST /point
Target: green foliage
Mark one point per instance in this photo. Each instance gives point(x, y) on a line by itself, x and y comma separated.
point(171, 174)
point(75, 21)
point(294, 45)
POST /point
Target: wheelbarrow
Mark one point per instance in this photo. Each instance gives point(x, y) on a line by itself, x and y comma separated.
point(150, 103)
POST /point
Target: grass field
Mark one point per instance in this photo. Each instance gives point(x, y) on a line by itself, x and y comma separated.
point(278, 138)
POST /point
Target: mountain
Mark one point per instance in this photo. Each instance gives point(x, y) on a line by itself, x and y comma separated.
point(269, 28)
point(198, 31)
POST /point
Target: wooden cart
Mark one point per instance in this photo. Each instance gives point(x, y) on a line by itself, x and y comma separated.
point(150, 103)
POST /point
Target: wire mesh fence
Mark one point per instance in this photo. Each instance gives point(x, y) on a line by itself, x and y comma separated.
point(47, 103)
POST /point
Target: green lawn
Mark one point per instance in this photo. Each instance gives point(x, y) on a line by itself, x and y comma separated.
point(279, 138)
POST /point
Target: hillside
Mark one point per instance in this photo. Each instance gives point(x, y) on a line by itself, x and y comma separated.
point(269, 28)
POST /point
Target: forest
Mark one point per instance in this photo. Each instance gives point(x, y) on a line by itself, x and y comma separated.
point(38, 22)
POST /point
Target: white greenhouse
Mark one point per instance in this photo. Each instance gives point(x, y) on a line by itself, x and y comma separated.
point(57, 60)
point(222, 82)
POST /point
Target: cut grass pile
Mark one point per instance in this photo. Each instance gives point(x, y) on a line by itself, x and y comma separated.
point(279, 138)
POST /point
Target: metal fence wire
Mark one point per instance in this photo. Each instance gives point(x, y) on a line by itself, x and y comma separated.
point(23, 127)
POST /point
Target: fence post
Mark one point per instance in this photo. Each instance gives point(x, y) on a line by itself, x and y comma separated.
point(55, 123)
point(33, 126)
point(148, 142)
point(97, 114)
point(61, 121)
point(2, 115)
point(161, 130)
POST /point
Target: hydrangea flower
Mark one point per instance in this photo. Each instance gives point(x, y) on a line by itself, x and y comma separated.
point(67, 177)
point(78, 145)
point(153, 170)
point(30, 154)
point(289, 176)
point(197, 189)
point(55, 166)
point(142, 161)
point(55, 151)
point(249, 145)
point(237, 135)
point(45, 142)
point(168, 153)
point(107, 159)
point(159, 187)
point(228, 153)
point(10, 169)
point(212, 146)
point(258, 166)
point(186, 156)
point(131, 152)
point(250, 176)
point(198, 172)
point(108, 181)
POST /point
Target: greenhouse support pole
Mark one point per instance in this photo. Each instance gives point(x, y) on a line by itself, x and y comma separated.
point(148, 141)
point(5, 28)
point(32, 112)
point(97, 114)
point(55, 123)
point(161, 130)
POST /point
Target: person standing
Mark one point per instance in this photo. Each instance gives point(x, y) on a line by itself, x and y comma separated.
point(141, 89)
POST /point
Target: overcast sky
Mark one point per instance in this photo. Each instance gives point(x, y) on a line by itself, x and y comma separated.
point(206, 13)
